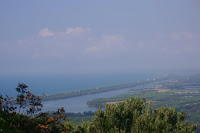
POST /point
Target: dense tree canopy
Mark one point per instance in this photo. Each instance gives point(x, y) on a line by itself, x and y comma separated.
point(136, 116)
point(131, 116)
point(16, 115)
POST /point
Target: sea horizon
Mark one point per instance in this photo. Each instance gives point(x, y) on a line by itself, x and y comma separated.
point(60, 83)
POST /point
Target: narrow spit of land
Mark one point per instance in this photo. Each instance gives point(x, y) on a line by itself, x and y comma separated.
point(100, 89)
point(182, 93)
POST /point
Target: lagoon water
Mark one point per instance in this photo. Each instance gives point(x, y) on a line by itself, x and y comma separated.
point(52, 84)
point(79, 103)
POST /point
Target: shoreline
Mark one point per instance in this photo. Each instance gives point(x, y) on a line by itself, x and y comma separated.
point(100, 89)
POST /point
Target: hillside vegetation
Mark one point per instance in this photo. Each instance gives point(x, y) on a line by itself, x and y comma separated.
point(182, 94)
point(132, 115)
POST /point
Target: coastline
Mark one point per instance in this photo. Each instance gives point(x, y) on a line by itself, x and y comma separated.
point(100, 89)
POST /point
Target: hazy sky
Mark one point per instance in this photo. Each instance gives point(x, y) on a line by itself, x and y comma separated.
point(99, 36)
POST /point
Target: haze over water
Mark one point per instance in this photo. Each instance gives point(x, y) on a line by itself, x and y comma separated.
point(70, 45)
point(115, 36)
point(52, 84)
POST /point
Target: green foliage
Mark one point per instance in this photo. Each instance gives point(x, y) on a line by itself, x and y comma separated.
point(69, 126)
point(12, 122)
point(27, 101)
point(28, 104)
point(131, 116)
point(77, 120)
point(135, 115)
point(186, 99)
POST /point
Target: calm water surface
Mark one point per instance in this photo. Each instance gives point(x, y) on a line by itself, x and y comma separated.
point(52, 84)
point(79, 104)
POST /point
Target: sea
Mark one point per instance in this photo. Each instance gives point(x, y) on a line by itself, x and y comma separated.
point(54, 84)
